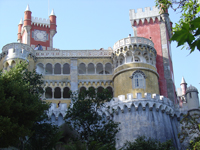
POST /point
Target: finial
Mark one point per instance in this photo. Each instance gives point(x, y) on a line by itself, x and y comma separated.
point(183, 80)
point(21, 21)
point(52, 13)
point(27, 8)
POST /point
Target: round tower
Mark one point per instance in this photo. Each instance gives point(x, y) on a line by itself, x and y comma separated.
point(53, 26)
point(19, 35)
point(135, 67)
point(16, 52)
point(183, 86)
point(192, 97)
point(27, 26)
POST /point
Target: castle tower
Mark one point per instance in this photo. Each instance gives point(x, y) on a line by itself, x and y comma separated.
point(151, 24)
point(183, 86)
point(19, 31)
point(53, 25)
point(36, 31)
point(192, 97)
point(135, 70)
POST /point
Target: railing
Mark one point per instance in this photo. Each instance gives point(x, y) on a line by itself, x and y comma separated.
point(132, 40)
point(17, 46)
point(74, 53)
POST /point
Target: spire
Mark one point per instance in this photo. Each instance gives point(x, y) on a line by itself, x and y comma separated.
point(52, 13)
point(21, 21)
point(27, 8)
point(183, 80)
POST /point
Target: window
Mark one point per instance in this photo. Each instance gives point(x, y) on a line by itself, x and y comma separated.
point(138, 80)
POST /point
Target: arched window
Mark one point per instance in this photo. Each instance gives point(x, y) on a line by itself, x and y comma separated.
point(57, 92)
point(40, 68)
point(57, 69)
point(91, 68)
point(108, 68)
point(82, 69)
point(99, 68)
point(6, 66)
point(138, 80)
point(121, 59)
point(48, 68)
point(66, 69)
point(66, 93)
point(110, 91)
point(82, 89)
point(129, 57)
point(100, 89)
point(48, 92)
point(13, 63)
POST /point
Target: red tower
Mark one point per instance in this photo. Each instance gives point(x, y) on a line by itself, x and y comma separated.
point(19, 35)
point(151, 24)
point(36, 31)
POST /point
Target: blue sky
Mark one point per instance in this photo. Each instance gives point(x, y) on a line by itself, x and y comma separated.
point(93, 24)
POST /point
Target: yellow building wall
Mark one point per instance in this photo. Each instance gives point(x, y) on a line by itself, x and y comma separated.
point(123, 82)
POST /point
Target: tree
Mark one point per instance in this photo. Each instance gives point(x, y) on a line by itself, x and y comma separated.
point(20, 104)
point(83, 116)
point(187, 31)
point(190, 130)
point(143, 143)
point(45, 136)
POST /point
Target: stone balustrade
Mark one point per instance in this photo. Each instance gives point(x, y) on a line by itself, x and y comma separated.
point(132, 40)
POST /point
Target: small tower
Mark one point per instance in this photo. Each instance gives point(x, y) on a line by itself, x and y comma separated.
point(183, 86)
point(26, 26)
point(53, 25)
point(192, 97)
point(36, 30)
point(19, 35)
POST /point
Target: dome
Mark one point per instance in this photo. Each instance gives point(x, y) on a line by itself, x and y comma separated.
point(191, 89)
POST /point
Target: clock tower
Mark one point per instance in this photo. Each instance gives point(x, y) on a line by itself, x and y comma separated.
point(34, 31)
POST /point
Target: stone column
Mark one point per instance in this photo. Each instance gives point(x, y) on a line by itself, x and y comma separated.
point(95, 69)
point(53, 93)
point(74, 74)
point(62, 93)
point(52, 70)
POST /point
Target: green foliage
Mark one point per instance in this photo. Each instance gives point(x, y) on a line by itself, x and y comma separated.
point(20, 104)
point(143, 143)
point(45, 137)
point(83, 117)
point(187, 30)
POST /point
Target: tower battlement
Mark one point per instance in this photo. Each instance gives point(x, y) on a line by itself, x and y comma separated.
point(147, 14)
point(40, 21)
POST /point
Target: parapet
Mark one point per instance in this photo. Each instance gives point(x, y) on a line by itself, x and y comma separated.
point(40, 21)
point(151, 100)
point(57, 111)
point(147, 14)
point(17, 50)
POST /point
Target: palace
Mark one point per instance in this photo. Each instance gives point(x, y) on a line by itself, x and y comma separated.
point(138, 71)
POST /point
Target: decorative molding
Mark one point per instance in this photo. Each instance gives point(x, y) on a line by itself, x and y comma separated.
point(74, 53)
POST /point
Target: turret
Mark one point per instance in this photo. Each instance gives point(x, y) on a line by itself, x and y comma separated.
point(192, 97)
point(19, 35)
point(183, 86)
point(53, 26)
point(27, 26)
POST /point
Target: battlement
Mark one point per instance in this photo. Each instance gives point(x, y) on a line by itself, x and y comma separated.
point(16, 51)
point(151, 100)
point(40, 21)
point(147, 14)
point(53, 110)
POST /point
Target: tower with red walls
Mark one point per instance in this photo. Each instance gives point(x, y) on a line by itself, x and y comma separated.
point(34, 31)
point(151, 24)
